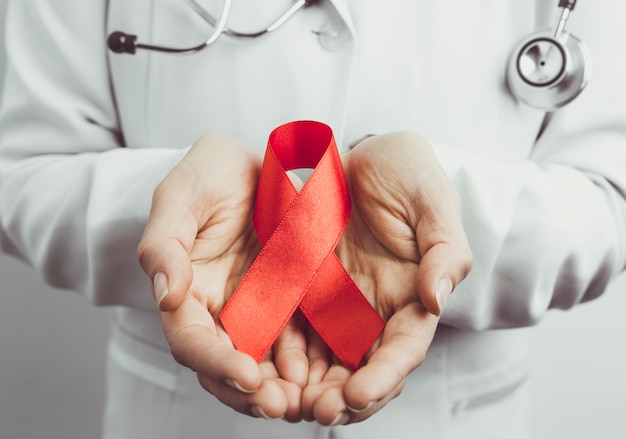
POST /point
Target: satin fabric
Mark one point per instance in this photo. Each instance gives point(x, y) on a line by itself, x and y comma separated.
point(297, 265)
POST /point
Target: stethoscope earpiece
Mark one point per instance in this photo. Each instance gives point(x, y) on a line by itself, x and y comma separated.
point(120, 42)
point(549, 68)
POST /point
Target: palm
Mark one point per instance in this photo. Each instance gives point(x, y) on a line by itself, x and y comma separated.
point(384, 276)
point(218, 180)
point(406, 217)
point(222, 252)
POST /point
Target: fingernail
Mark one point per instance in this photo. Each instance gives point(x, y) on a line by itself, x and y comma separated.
point(235, 385)
point(442, 293)
point(341, 419)
point(258, 412)
point(367, 407)
point(160, 287)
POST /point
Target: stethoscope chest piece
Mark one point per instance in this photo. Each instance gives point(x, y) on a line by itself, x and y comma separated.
point(547, 72)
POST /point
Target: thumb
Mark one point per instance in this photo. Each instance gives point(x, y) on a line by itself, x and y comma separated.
point(168, 265)
point(440, 270)
point(163, 251)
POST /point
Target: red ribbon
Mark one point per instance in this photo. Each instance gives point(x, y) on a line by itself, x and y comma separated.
point(297, 265)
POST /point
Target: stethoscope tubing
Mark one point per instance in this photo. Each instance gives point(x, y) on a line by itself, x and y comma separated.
point(218, 31)
point(220, 27)
point(299, 4)
point(564, 87)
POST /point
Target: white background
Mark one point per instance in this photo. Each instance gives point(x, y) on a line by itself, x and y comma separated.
point(52, 346)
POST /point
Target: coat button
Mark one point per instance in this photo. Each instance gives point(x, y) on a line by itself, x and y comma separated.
point(333, 35)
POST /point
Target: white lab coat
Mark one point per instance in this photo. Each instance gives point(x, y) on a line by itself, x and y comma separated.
point(545, 219)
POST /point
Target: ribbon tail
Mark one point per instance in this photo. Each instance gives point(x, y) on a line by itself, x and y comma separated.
point(341, 315)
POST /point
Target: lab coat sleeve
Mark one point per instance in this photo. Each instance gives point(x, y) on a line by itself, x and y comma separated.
point(549, 232)
point(73, 202)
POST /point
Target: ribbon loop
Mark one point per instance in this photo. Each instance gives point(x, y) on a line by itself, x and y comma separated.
point(297, 265)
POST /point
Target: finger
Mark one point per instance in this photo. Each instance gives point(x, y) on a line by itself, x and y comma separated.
point(405, 340)
point(441, 268)
point(293, 396)
point(358, 415)
point(320, 357)
point(330, 407)
point(232, 377)
point(163, 251)
point(273, 398)
point(446, 257)
point(329, 403)
point(324, 401)
point(268, 401)
point(200, 349)
point(291, 391)
point(195, 342)
point(290, 351)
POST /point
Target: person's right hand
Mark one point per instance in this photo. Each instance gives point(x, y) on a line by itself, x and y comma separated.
point(197, 245)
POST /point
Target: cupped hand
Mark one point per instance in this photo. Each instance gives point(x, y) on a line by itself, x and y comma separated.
point(406, 249)
point(197, 245)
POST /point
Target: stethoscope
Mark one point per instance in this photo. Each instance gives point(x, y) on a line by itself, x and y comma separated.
point(120, 42)
point(546, 70)
point(549, 68)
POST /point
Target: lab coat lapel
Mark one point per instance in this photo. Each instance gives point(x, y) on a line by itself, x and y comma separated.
point(344, 12)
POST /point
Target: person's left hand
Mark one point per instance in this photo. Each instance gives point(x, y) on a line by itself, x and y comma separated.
point(406, 249)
